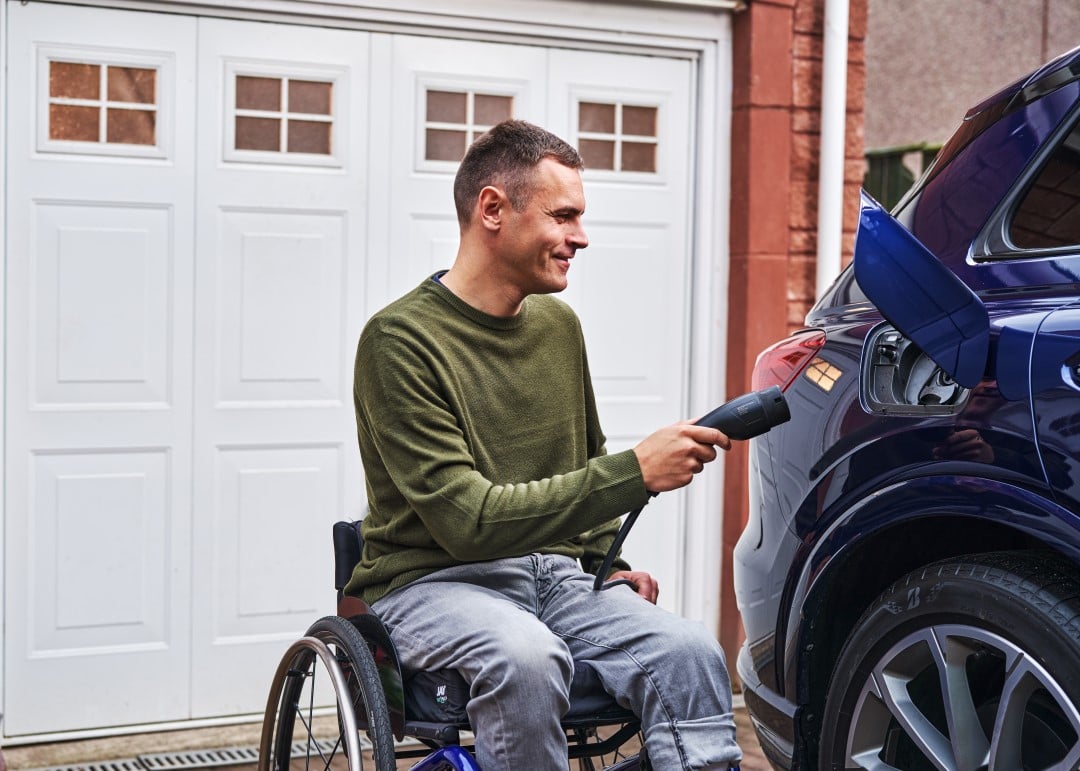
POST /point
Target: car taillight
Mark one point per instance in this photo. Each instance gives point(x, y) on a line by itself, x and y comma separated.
point(781, 363)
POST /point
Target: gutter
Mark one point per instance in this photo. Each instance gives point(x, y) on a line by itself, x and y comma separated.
point(830, 228)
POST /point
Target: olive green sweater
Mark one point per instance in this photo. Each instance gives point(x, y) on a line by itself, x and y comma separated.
point(480, 440)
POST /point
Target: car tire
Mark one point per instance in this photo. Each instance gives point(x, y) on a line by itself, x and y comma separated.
point(968, 663)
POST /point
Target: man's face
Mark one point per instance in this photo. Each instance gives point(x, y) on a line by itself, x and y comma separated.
point(538, 242)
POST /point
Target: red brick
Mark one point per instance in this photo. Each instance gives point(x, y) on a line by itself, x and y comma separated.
point(854, 135)
point(761, 48)
point(858, 11)
point(856, 51)
point(806, 85)
point(805, 152)
point(807, 46)
point(803, 241)
point(806, 120)
point(803, 204)
point(856, 85)
point(756, 287)
point(760, 169)
point(810, 16)
point(854, 171)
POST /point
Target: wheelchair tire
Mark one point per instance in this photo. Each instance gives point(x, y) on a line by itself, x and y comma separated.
point(302, 733)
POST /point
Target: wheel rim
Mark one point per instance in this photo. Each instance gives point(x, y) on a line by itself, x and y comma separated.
point(959, 698)
point(310, 736)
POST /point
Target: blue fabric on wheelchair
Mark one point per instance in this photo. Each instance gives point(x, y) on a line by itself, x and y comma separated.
point(440, 697)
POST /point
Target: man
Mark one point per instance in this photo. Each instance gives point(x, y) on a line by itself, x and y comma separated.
point(488, 481)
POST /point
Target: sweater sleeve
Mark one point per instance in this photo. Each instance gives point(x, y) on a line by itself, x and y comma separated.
point(405, 416)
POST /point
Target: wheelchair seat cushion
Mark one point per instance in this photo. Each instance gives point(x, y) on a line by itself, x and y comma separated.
point(441, 696)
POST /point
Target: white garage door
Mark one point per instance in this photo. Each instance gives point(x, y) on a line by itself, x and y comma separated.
point(201, 215)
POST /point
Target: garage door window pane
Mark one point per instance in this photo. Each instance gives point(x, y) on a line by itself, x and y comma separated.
point(309, 97)
point(74, 80)
point(453, 119)
point(258, 93)
point(597, 153)
point(309, 137)
point(73, 124)
point(491, 109)
point(639, 121)
point(1049, 215)
point(447, 107)
point(638, 156)
point(284, 115)
point(598, 118)
point(132, 84)
point(129, 127)
point(618, 137)
point(80, 92)
point(443, 145)
point(258, 134)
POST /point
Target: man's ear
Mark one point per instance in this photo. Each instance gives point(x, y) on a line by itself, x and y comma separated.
point(491, 205)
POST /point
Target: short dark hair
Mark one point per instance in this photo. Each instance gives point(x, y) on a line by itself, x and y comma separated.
point(507, 155)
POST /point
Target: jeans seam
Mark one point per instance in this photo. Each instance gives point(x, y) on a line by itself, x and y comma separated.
point(662, 697)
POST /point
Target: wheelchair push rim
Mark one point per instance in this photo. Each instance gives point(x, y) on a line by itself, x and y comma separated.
point(333, 654)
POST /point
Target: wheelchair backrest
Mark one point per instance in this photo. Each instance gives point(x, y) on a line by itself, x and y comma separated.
point(348, 546)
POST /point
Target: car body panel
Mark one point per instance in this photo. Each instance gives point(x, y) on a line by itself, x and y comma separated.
point(846, 497)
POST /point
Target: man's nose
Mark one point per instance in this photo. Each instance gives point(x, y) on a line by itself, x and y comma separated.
point(578, 239)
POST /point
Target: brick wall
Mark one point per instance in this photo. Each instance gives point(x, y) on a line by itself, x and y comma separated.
point(776, 118)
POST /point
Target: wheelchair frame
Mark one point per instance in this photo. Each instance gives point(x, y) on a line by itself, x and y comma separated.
point(371, 695)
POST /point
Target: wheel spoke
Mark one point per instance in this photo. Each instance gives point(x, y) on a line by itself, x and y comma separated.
point(893, 676)
point(307, 720)
point(870, 723)
point(970, 746)
point(1024, 679)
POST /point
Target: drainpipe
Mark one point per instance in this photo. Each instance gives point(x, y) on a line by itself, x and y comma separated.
point(830, 227)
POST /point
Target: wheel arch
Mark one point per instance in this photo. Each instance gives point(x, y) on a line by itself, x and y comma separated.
point(862, 551)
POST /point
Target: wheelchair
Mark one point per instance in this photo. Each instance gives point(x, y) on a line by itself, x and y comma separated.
point(350, 660)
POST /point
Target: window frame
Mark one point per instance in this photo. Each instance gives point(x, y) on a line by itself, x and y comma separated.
point(515, 89)
point(164, 106)
point(338, 117)
point(633, 98)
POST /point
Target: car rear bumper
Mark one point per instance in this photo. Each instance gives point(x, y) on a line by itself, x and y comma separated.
point(774, 717)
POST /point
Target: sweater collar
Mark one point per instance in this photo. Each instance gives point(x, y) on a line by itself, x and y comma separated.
point(433, 284)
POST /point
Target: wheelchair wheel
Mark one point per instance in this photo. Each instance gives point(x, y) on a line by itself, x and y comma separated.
point(298, 730)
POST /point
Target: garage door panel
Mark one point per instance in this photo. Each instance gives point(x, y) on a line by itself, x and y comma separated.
point(181, 325)
point(282, 278)
point(444, 95)
point(98, 403)
point(266, 547)
point(282, 188)
point(101, 557)
point(102, 320)
point(263, 531)
point(432, 243)
point(631, 118)
point(616, 287)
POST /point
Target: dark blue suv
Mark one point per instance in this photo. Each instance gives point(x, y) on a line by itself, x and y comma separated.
point(909, 577)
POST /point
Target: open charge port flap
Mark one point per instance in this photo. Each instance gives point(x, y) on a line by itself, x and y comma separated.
point(899, 379)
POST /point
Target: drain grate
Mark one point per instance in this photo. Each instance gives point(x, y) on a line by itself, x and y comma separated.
point(128, 764)
point(229, 756)
point(177, 761)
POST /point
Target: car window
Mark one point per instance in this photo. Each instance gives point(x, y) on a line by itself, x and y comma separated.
point(1048, 216)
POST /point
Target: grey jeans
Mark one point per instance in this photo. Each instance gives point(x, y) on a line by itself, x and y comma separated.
point(514, 627)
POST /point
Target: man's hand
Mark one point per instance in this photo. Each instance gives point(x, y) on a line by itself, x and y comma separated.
point(670, 457)
point(644, 584)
